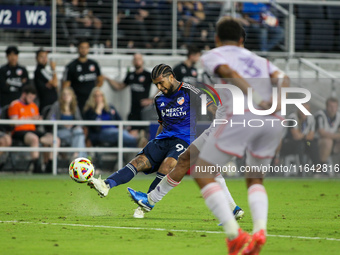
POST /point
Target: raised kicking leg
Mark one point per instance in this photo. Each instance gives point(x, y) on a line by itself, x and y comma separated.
point(185, 160)
point(138, 164)
point(168, 164)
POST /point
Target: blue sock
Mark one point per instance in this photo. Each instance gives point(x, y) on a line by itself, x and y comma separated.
point(155, 182)
point(122, 176)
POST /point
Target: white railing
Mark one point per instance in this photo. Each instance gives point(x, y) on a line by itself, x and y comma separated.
point(318, 70)
point(54, 149)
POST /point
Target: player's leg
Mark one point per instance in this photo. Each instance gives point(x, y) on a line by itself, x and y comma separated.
point(124, 175)
point(217, 202)
point(258, 203)
point(151, 156)
point(185, 161)
point(237, 211)
point(167, 164)
point(175, 176)
point(259, 153)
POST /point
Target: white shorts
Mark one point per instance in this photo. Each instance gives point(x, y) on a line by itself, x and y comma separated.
point(234, 139)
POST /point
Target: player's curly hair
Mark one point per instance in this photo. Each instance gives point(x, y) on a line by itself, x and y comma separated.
point(161, 69)
point(230, 29)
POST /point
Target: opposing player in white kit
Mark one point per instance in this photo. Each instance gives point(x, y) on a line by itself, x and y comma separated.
point(228, 61)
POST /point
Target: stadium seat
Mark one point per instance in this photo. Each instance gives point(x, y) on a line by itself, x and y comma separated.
point(333, 12)
point(322, 35)
point(300, 35)
point(310, 12)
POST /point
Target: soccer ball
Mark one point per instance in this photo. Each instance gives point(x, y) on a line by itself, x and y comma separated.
point(81, 170)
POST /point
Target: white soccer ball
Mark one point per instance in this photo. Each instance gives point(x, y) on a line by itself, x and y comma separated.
point(81, 170)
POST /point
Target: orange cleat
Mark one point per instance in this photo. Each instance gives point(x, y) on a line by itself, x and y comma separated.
point(239, 244)
point(258, 240)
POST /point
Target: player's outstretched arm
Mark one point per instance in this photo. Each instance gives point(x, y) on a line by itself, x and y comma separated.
point(212, 108)
point(224, 71)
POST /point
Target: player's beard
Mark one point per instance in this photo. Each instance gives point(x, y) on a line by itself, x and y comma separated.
point(170, 91)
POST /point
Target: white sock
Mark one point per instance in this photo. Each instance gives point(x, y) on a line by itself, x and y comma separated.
point(162, 189)
point(258, 203)
point(217, 202)
point(219, 178)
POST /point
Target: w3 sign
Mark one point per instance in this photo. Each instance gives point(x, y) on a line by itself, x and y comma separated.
point(25, 17)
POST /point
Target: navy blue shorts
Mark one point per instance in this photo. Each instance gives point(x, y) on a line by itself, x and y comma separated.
point(159, 149)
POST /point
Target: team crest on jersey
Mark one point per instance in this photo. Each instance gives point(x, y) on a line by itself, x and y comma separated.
point(131, 76)
point(141, 78)
point(79, 69)
point(92, 68)
point(8, 73)
point(180, 100)
point(193, 73)
point(19, 72)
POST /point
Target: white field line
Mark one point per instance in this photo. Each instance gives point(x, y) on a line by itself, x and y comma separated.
point(161, 229)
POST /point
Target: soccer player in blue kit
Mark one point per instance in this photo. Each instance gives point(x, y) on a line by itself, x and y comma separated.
point(177, 105)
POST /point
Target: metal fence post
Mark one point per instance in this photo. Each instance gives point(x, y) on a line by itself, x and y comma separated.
point(55, 153)
point(120, 146)
point(114, 27)
point(291, 46)
point(174, 27)
point(54, 26)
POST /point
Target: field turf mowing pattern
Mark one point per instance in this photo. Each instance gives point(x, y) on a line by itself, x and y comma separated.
point(305, 208)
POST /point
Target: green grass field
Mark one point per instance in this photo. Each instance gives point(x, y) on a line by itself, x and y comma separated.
point(54, 215)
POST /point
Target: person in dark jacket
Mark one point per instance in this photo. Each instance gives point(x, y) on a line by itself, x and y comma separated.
point(96, 108)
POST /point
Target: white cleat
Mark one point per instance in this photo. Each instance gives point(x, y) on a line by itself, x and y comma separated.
point(99, 185)
point(139, 213)
point(239, 214)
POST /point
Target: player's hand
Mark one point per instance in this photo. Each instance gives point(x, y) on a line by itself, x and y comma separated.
point(146, 101)
point(265, 105)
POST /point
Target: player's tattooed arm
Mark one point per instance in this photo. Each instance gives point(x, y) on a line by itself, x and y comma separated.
point(141, 163)
point(224, 71)
point(212, 108)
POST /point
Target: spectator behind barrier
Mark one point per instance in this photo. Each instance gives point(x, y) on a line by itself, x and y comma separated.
point(133, 21)
point(46, 82)
point(190, 16)
point(13, 77)
point(300, 139)
point(24, 108)
point(66, 108)
point(81, 22)
point(140, 83)
point(328, 129)
point(186, 71)
point(96, 108)
point(261, 24)
point(82, 74)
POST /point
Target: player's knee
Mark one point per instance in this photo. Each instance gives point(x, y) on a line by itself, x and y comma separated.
point(253, 181)
point(184, 158)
